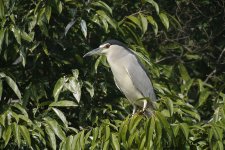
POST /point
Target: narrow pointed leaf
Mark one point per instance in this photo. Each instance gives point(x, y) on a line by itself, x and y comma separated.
point(83, 28)
point(164, 20)
point(7, 134)
point(51, 137)
point(60, 114)
point(64, 103)
point(26, 134)
point(13, 86)
point(58, 87)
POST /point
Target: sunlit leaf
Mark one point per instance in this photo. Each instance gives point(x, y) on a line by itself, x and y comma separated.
point(2, 33)
point(58, 87)
point(26, 37)
point(90, 88)
point(1, 89)
point(17, 34)
point(51, 137)
point(153, 23)
point(203, 97)
point(115, 142)
point(61, 115)
point(144, 23)
point(83, 27)
point(69, 25)
point(135, 20)
point(7, 134)
point(103, 5)
point(106, 17)
point(2, 9)
point(154, 4)
point(26, 134)
point(185, 129)
point(13, 86)
point(183, 72)
point(63, 103)
point(48, 12)
point(56, 128)
point(164, 20)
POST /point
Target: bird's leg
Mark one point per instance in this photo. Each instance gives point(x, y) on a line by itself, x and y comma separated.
point(134, 109)
point(144, 106)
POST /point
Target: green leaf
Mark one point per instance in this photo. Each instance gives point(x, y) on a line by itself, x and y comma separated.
point(74, 86)
point(143, 140)
point(107, 133)
point(59, 7)
point(136, 21)
point(25, 36)
point(220, 145)
point(63, 103)
point(144, 23)
point(165, 124)
point(83, 28)
point(1, 89)
point(151, 128)
point(95, 134)
point(131, 139)
point(51, 137)
point(154, 4)
point(90, 88)
point(7, 134)
point(19, 107)
point(58, 87)
point(115, 142)
point(69, 25)
point(23, 56)
point(69, 142)
point(103, 5)
point(106, 145)
point(2, 33)
point(17, 34)
point(169, 105)
point(185, 129)
point(97, 63)
point(2, 9)
point(106, 17)
point(48, 11)
point(123, 131)
point(184, 73)
point(164, 20)
point(56, 128)
point(135, 120)
point(2, 119)
point(203, 97)
point(25, 133)
point(192, 114)
point(16, 133)
point(81, 139)
point(61, 116)
point(13, 86)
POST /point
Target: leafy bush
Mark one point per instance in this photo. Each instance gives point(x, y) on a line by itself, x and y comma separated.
point(50, 97)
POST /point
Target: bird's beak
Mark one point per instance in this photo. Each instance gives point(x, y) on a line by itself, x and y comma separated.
point(93, 52)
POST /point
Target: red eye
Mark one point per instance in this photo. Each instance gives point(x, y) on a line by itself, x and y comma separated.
point(107, 45)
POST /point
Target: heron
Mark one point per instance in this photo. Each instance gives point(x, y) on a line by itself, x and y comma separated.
point(129, 75)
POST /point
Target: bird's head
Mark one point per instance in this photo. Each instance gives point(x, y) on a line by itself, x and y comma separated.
point(106, 47)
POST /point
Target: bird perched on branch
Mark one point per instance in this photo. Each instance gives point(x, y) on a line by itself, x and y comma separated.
point(129, 75)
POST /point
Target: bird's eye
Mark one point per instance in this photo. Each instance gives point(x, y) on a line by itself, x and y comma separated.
point(107, 45)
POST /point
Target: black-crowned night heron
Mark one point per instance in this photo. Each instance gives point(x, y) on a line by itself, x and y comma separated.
point(129, 75)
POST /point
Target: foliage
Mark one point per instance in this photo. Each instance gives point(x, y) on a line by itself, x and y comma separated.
point(50, 97)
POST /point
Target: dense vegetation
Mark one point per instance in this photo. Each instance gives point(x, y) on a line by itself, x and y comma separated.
point(50, 97)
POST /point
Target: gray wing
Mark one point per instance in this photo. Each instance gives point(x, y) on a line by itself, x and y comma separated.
point(139, 77)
